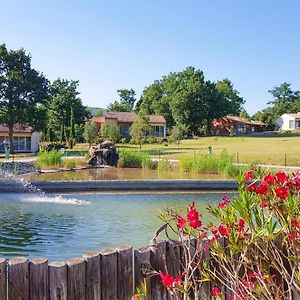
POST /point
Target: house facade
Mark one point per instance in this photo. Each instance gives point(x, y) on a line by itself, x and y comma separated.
point(125, 119)
point(25, 138)
point(288, 122)
point(224, 125)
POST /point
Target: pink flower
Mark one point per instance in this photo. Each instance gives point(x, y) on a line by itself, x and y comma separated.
point(281, 192)
point(180, 222)
point(215, 291)
point(224, 231)
point(193, 217)
point(248, 176)
point(252, 187)
point(225, 202)
point(195, 223)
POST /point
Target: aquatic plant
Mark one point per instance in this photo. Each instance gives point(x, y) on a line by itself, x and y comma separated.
point(48, 159)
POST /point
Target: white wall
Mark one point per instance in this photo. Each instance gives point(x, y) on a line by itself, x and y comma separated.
point(35, 141)
point(283, 122)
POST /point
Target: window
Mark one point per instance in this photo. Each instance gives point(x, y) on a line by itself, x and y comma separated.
point(297, 124)
point(291, 124)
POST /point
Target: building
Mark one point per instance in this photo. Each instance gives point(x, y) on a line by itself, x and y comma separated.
point(237, 125)
point(288, 122)
point(125, 119)
point(25, 138)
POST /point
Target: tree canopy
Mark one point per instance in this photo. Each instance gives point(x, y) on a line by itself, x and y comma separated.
point(125, 102)
point(22, 91)
point(186, 98)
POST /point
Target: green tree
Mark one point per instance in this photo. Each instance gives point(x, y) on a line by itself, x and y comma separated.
point(125, 102)
point(111, 132)
point(22, 91)
point(90, 132)
point(139, 128)
point(64, 99)
point(178, 132)
point(99, 112)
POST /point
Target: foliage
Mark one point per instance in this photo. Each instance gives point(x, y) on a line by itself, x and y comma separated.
point(52, 146)
point(209, 164)
point(49, 159)
point(65, 109)
point(139, 128)
point(185, 98)
point(252, 249)
point(22, 91)
point(111, 132)
point(99, 112)
point(125, 102)
point(285, 100)
point(178, 132)
point(133, 159)
point(90, 132)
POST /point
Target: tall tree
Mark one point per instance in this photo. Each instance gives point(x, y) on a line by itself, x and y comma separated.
point(22, 89)
point(125, 102)
point(65, 105)
point(140, 127)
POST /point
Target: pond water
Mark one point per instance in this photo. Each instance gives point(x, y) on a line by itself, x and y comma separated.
point(118, 174)
point(59, 227)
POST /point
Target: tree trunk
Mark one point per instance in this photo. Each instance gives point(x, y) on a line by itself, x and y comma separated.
point(11, 139)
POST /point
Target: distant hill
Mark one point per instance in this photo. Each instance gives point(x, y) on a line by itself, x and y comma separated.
point(95, 109)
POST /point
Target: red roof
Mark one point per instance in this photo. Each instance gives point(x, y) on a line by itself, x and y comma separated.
point(18, 128)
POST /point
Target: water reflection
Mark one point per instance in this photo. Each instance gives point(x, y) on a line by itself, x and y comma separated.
point(118, 174)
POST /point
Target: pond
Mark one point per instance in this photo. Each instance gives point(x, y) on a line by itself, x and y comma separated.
point(59, 227)
point(118, 174)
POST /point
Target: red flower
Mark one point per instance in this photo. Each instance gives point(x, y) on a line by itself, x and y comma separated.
point(195, 223)
point(263, 203)
point(281, 177)
point(206, 247)
point(252, 187)
point(215, 291)
point(180, 222)
point(262, 189)
point(224, 231)
point(281, 192)
point(225, 202)
point(166, 279)
point(241, 223)
point(269, 179)
point(248, 176)
point(295, 223)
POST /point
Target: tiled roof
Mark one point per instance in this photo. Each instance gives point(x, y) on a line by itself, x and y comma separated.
point(127, 117)
point(17, 128)
point(245, 121)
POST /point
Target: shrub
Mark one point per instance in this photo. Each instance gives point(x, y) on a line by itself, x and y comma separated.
point(148, 163)
point(123, 140)
point(160, 140)
point(132, 142)
point(151, 140)
point(251, 251)
point(48, 159)
point(132, 159)
point(165, 165)
point(69, 163)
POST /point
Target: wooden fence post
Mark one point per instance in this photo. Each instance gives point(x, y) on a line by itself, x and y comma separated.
point(157, 259)
point(109, 274)
point(18, 279)
point(76, 279)
point(173, 256)
point(205, 290)
point(92, 275)
point(141, 264)
point(38, 279)
point(3, 278)
point(58, 286)
point(125, 272)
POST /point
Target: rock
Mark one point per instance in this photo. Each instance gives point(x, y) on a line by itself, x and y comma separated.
point(105, 154)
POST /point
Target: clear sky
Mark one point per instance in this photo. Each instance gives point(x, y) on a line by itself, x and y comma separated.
point(108, 45)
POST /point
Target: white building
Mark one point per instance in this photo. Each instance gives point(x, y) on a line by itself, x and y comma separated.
point(288, 122)
point(25, 138)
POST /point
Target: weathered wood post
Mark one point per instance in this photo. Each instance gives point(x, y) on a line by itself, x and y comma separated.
point(18, 279)
point(141, 264)
point(125, 272)
point(109, 274)
point(157, 256)
point(38, 279)
point(92, 275)
point(3, 278)
point(76, 279)
point(58, 286)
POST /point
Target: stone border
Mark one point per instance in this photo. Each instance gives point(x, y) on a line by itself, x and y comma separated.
point(127, 185)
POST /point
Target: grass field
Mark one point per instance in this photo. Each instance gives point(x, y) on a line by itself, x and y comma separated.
point(279, 149)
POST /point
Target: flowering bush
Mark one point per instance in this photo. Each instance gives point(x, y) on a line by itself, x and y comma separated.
point(252, 251)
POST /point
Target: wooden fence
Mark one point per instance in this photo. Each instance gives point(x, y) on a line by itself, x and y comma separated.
point(108, 274)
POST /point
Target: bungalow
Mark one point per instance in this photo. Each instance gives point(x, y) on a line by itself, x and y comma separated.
point(125, 119)
point(25, 138)
point(288, 122)
point(239, 125)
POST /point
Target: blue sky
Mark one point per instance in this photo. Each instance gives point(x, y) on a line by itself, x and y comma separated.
point(108, 45)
